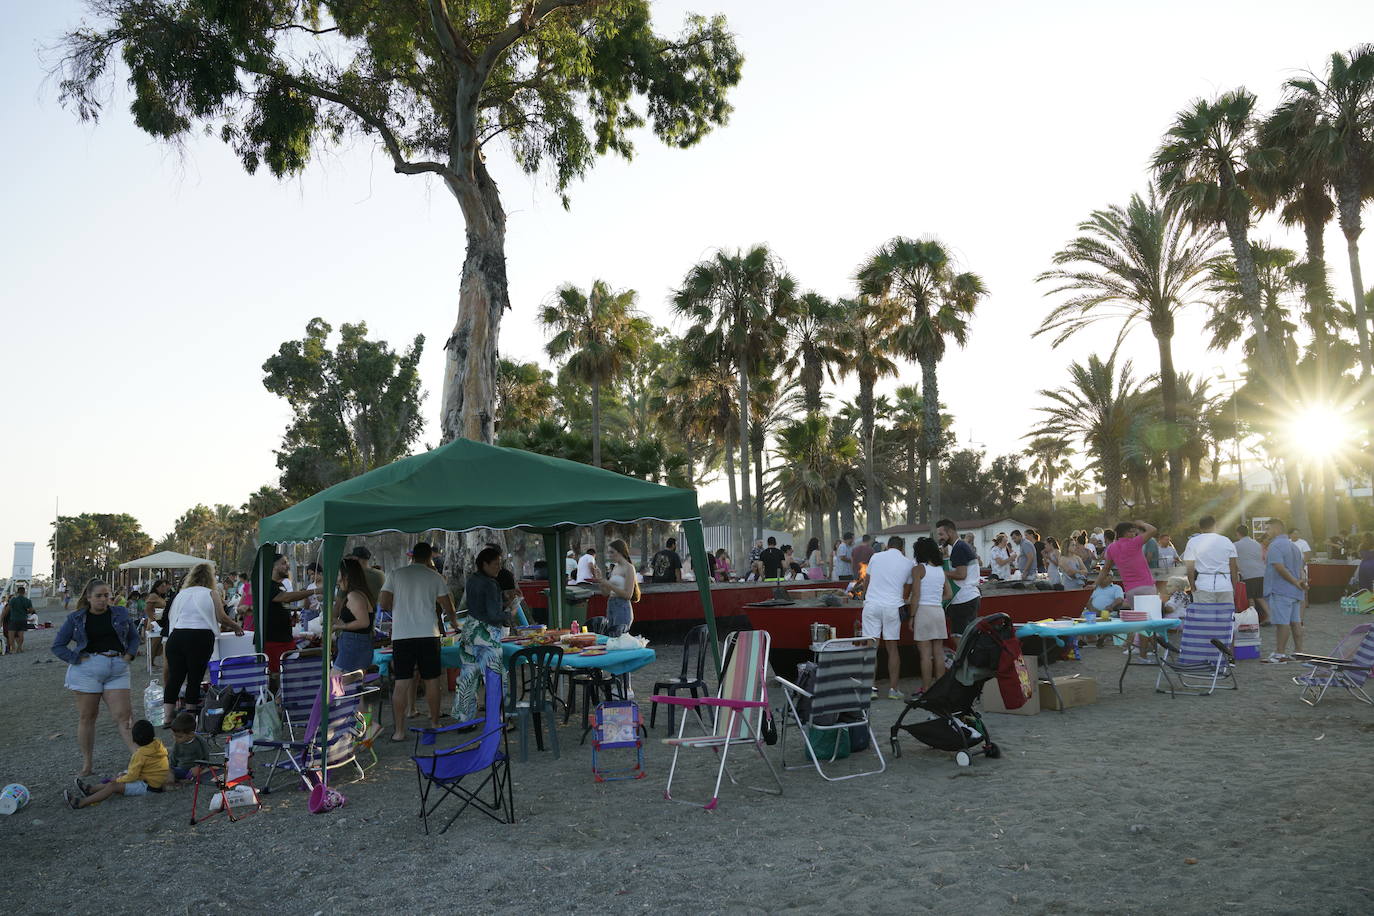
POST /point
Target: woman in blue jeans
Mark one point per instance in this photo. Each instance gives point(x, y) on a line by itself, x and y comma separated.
point(354, 621)
point(97, 641)
point(621, 588)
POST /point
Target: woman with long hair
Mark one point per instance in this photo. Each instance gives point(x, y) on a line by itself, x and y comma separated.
point(928, 623)
point(479, 640)
point(97, 641)
point(193, 622)
point(354, 620)
point(1000, 558)
point(815, 563)
point(155, 613)
point(1072, 570)
point(621, 589)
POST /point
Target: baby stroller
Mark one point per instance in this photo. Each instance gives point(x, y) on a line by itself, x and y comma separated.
point(987, 649)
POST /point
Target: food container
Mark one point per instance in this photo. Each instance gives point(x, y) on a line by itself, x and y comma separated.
point(820, 632)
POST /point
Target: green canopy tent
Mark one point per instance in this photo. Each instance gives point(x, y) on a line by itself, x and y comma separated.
point(467, 485)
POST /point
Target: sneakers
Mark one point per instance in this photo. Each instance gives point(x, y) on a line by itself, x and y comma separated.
point(893, 694)
point(1276, 659)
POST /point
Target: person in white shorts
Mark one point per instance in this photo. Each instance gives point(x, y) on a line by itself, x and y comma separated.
point(885, 586)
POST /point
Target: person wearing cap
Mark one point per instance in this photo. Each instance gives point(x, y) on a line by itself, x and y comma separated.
point(409, 594)
point(374, 576)
point(570, 565)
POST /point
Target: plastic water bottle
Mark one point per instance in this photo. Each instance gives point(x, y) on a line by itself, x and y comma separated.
point(575, 628)
point(152, 702)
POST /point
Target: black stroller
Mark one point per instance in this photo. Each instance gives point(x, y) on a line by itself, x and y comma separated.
point(955, 727)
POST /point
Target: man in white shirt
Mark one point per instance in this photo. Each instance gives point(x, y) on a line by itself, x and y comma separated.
point(1212, 565)
point(587, 570)
point(885, 585)
point(844, 557)
point(410, 593)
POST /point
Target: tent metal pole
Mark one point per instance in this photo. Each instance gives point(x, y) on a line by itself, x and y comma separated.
point(330, 557)
point(701, 570)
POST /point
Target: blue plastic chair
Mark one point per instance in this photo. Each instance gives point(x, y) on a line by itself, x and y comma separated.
point(487, 752)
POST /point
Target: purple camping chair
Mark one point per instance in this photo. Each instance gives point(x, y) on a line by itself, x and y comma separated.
point(1338, 670)
point(485, 752)
point(1203, 660)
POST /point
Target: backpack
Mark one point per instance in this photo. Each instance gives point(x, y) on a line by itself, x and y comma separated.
point(225, 710)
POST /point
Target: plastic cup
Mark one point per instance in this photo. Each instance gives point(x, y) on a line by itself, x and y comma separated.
point(13, 797)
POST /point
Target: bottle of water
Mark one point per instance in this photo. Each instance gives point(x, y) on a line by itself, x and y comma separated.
point(152, 702)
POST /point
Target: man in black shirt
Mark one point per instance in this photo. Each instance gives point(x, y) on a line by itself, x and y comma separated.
point(772, 559)
point(16, 614)
point(666, 565)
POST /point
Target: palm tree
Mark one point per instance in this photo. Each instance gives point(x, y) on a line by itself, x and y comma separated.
point(1077, 481)
point(1047, 454)
point(769, 398)
point(811, 352)
point(746, 296)
point(1097, 408)
point(908, 422)
point(920, 278)
point(1280, 279)
point(706, 387)
point(598, 334)
point(523, 394)
point(1341, 146)
point(866, 343)
point(802, 479)
point(1203, 165)
point(1140, 264)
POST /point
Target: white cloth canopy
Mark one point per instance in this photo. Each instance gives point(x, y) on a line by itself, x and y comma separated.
point(163, 559)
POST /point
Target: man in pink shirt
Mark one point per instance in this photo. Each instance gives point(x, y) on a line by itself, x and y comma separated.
point(1126, 555)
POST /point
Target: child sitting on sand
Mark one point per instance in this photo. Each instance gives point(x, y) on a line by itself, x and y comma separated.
point(147, 772)
point(188, 748)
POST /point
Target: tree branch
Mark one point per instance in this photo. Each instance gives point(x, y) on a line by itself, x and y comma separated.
point(528, 21)
point(456, 49)
point(401, 164)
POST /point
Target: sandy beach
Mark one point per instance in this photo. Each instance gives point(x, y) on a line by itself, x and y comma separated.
point(1245, 801)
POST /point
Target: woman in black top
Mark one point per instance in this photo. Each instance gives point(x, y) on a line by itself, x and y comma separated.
point(479, 642)
point(354, 622)
point(97, 641)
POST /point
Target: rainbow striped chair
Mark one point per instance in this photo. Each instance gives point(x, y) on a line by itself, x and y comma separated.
point(1337, 670)
point(738, 711)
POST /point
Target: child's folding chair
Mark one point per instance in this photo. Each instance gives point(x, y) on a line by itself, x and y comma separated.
point(1347, 667)
point(617, 728)
point(232, 780)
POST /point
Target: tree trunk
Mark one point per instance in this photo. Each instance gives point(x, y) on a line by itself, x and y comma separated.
point(912, 496)
point(1349, 201)
point(921, 490)
point(469, 397)
point(873, 505)
point(815, 522)
point(758, 481)
point(1237, 230)
point(834, 524)
point(737, 541)
point(811, 382)
point(1297, 498)
point(930, 394)
point(1318, 303)
point(844, 495)
point(1168, 391)
point(742, 365)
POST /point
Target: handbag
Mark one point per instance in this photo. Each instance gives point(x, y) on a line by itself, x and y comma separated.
point(266, 718)
point(770, 728)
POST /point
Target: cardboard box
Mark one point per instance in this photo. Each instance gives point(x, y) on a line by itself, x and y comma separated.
point(992, 695)
point(1075, 691)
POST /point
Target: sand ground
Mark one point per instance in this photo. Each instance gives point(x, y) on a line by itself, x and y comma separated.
point(1244, 801)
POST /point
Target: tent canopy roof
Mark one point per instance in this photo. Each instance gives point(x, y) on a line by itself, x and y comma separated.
point(465, 485)
point(163, 559)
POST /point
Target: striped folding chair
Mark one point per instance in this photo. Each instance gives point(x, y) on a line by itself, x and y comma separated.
point(738, 709)
point(841, 690)
point(1338, 670)
point(339, 734)
point(242, 672)
point(1203, 660)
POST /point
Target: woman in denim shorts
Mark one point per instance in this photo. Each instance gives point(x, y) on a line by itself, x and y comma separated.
point(97, 641)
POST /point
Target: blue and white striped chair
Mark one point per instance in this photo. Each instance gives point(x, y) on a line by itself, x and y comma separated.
point(338, 734)
point(1327, 671)
point(1203, 661)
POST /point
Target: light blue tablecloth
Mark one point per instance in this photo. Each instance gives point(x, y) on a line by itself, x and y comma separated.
point(621, 661)
point(1098, 627)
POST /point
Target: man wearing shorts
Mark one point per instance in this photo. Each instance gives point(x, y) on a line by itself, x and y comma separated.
point(885, 585)
point(963, 578)
point(1250, 560)
point(16, 614)
point(410, 593)
point(1285, 589)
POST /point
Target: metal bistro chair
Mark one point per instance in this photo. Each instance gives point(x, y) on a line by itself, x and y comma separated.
point(532, 673)
point(695, 639)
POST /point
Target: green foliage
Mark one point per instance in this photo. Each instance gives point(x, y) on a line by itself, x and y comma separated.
point(561, 83)
point(94, 544)
point(974, 491)
point(356, 406)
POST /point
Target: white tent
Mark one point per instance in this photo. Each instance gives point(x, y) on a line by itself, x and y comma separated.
point(163, 559)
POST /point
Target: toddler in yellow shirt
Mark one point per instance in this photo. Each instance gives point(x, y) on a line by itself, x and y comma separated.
point(148, 772)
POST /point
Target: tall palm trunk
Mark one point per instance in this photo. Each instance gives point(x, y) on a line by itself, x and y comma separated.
point(1318, 307)
point(844, 495)
point(811, 382)
point(738, 548)
point(921, 490)
point(1111, 480)
point(815, 524)
point(1348, 203)
point(1168, 392)
point(756, 436)
point(912, 496)
point(873, 505)
point(834, 524)
point(742, 364)
point(1238, 231)
point(930, 394)
point(596, 461)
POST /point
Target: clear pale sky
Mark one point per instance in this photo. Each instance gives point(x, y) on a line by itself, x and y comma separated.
point(144, 286)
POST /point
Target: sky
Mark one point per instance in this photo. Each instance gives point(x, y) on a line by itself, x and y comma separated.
point(145, 285)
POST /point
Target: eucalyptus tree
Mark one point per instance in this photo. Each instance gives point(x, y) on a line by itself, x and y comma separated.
point(745, 296)
point(866, 341)
point(1136, 265)
point(1341, 146)
point(438, 85)
point(1097, 408)
point(936, 301)
point(811, 354)
point(597, 334)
